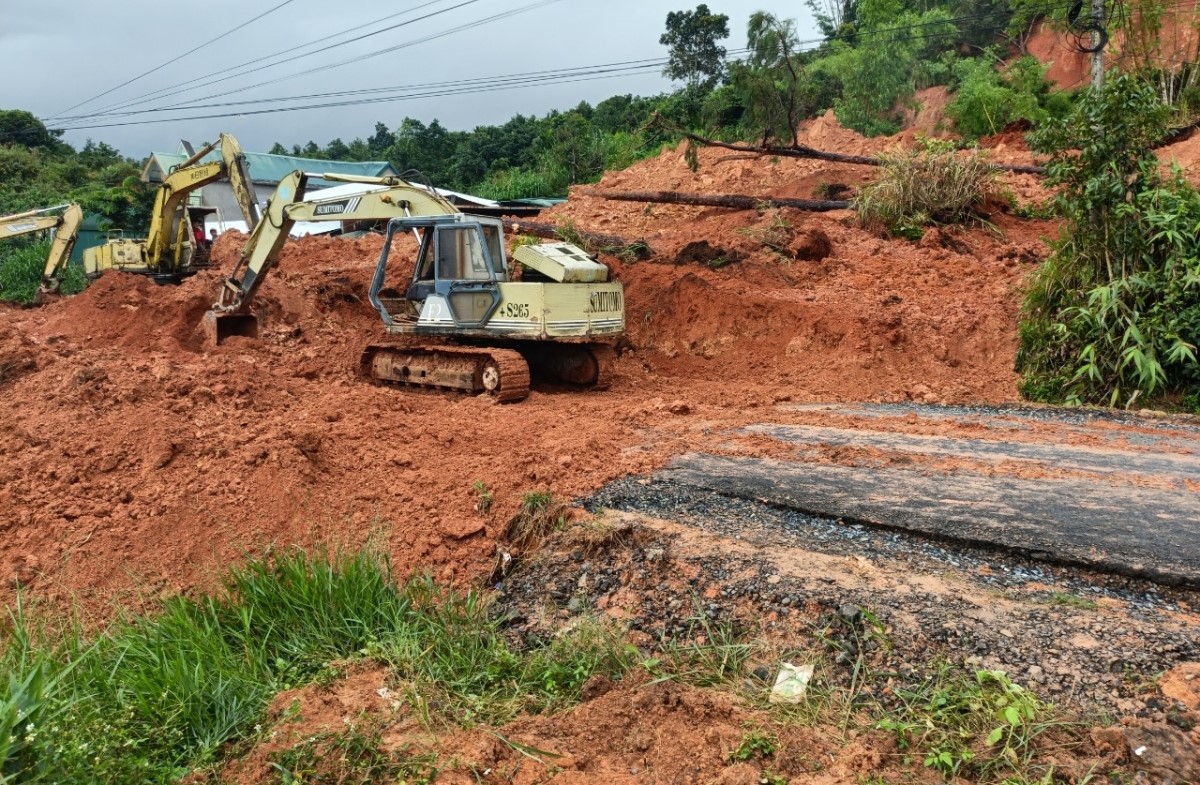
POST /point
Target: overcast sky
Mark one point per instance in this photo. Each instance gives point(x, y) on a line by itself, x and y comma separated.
point(56, 54)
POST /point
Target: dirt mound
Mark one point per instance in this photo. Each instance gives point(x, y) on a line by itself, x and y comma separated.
point(135, 456)
point(810, 301)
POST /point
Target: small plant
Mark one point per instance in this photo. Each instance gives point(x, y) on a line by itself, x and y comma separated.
point(1072, 601)
point(775, 233)
point(350, 758)
point(540, 513)
point(982, 726)
point(483, 496)
point(915, 189)
point(755, 745)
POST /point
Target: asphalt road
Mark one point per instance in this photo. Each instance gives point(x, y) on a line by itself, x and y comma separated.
point(1117, 495)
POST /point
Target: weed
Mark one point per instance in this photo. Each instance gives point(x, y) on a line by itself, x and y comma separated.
point(349, 758)
point(984, 725)
point(708, 654)
point(776, 233)
point(597, 534)
point(540, 514)
point(152, 698)
point(755, 745)
point(483, 496)
point(21, 267)
point(919, 188)
point(1072, 601)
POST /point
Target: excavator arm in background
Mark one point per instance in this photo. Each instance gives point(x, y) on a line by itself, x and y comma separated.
point(66, 225)
point(60, 248)
point(163, 253)
point(230, 314)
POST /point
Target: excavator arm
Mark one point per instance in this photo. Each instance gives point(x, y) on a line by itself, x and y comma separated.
point(60, 249)
point(230, 314)
point(66, 225)
point(187, 177)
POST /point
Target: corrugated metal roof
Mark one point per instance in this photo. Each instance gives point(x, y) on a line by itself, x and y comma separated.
point(268, 168)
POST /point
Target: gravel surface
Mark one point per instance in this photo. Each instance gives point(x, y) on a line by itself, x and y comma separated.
point(1092, 642)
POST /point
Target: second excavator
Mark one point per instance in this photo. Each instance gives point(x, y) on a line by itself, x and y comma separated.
point(461, 321)
point(169, 252)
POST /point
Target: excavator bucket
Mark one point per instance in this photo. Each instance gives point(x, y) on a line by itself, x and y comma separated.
point(219, 326)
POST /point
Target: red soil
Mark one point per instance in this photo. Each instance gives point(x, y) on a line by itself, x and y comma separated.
point(133, 455)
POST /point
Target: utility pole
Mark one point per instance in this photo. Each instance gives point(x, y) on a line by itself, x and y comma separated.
point(1098, 44)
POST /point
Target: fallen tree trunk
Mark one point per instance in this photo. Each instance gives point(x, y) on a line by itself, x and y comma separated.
point(735, 201)
point(804, 151)
point(596, 241)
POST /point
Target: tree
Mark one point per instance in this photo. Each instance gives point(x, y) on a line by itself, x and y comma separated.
point(19, 127)
point(773, 84)
point(835, 18)
point(380, 141)
point(278, 149)
point(695, 56)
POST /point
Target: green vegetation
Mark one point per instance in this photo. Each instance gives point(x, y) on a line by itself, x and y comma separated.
point(983, 726)
point(987, 100)
point(934, 185)
point(37, 169)
point(350, 758)
point(152, 698)
point(21, 267)
point(755, 745)
point(1113, 316)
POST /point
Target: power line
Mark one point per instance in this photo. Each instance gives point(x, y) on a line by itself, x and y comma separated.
point(190, 104)
point(656, 62)
point(194, 102)
point(496, 83)
point(167, 92)
point(178, 58)
point(515, 85)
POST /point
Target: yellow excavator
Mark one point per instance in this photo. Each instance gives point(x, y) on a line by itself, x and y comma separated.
point(461, 321)
point(64, 219)
point(169, 252)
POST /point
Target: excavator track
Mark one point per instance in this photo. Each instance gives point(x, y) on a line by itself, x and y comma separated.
point(500, 373)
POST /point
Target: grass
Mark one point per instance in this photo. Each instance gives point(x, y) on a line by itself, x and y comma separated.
point(21, 267)
point(982, 725)
point(775, 234)
point(349, 758)
point(918, 188)
point(151, 698)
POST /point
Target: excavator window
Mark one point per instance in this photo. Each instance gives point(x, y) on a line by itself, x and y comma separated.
point(461, 255)
point(425, 258)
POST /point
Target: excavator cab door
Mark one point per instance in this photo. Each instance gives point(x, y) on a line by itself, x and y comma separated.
point(466, 277)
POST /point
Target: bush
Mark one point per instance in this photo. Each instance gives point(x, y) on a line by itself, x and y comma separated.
point(916, 188)
point(21, 267)
point(987, 101)
point(1114, 313)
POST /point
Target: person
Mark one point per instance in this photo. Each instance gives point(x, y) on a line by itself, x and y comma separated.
point(198, 233)
point(212, 234)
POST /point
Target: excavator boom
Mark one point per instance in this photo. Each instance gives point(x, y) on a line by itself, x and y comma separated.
point(230, 314)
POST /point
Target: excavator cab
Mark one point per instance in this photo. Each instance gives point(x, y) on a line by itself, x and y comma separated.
point(455, 281)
